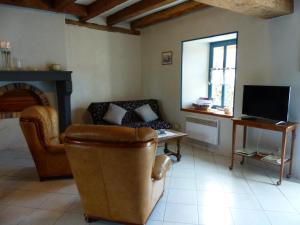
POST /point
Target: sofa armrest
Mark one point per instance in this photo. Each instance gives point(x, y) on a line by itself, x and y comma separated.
point(161, 166)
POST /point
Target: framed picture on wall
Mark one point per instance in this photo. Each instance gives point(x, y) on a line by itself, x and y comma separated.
point(166, 58)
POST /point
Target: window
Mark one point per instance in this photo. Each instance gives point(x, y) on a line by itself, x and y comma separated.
point(209, 71)
point(222, 67)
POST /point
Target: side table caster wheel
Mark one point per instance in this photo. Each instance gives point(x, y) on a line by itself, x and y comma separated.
point(278, 183)
point(288, 176)
point(242, 161)
point(230, 167)
point(89, 219)
point(178, 158)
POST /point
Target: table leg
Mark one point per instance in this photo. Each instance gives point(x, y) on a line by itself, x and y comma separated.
point(283, 151)
point(166, 150)
point(243, 160)
point(233, 146)
point(244, 143)
point(176, 154)
point(178, 150)
point(292, 153)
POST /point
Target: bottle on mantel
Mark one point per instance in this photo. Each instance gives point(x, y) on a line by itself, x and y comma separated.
point(5, 51)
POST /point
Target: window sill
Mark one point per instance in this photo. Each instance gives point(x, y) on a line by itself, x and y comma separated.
point(212, 112)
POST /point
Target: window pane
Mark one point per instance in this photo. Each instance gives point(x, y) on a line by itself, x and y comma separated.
point(231, 56)
point(229, 87)
point(218, 55)
point(230, 75)
point(216, 84)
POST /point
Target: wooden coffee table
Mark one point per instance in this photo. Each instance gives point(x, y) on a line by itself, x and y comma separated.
point(169, 136)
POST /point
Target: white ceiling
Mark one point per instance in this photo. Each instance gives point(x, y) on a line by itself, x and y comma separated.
point(126, 4)
point(85, 2)
point(157, 9)
point(119, 7)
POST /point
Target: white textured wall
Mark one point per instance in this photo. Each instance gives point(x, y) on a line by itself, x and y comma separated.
point(195, 60)
point(268, 53)
point(37, 37)
point(107, 66)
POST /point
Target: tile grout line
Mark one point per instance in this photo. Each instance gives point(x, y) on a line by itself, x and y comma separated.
point(196, 188)
point(277, 187)
point(230, 211)
point(262, 209)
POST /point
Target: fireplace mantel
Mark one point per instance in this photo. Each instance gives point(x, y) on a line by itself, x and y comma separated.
point(63, 83)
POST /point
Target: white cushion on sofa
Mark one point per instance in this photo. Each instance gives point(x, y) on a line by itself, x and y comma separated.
point(146, 113)
point(114, 114)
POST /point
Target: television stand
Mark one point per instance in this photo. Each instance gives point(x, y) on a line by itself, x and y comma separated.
point(267, 125)
point(280, 123)
point(249, 118)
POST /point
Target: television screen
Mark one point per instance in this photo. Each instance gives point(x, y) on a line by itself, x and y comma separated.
point(270, 102)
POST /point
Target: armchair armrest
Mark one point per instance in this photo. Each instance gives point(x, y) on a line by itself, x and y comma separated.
point(161, 166)
point(55, 148)
point(62, 138)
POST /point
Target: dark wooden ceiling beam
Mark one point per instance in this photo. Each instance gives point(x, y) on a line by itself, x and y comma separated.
point(135, 10)
point(100, 6)
point(73, 9)
point(169, 13)
point(102, 27)
point(62, 4)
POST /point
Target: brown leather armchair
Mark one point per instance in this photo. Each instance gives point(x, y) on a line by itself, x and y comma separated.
point(40, 128)
point(117, 174)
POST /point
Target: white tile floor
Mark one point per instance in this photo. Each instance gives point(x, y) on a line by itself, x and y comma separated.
point(200, 190)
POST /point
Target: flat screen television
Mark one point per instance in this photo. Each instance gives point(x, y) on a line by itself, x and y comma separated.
point(269, 102)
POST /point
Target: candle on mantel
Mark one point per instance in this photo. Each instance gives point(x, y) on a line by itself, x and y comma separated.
point(8, 46)
point(2, 44)
point(5, 45)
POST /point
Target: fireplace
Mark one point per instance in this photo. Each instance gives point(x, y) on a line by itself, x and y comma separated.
point(15, 97)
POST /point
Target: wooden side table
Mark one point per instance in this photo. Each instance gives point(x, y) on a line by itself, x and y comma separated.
point(173, 135)
point(262, 124)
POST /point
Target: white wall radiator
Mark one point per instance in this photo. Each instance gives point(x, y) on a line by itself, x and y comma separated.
point(203, 130)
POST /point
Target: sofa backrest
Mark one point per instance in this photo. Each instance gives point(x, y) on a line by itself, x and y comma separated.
point(98, 110)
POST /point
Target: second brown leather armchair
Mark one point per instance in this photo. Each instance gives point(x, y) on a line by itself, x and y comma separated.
point(40, 128)
point(118, 176)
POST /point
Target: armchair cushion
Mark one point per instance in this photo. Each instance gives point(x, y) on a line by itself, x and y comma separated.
point(161, 166)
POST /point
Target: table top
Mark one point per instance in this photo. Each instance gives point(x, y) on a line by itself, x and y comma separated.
point(175, 135)
point(264, 124)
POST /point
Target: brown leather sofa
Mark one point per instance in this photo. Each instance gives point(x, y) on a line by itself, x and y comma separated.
point(40, 128)
point(117, 174)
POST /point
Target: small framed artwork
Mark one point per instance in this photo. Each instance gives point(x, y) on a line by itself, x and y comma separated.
point(166, 58)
